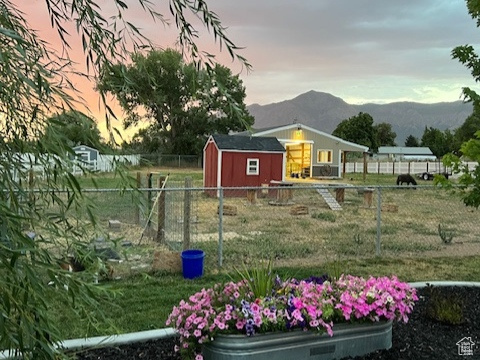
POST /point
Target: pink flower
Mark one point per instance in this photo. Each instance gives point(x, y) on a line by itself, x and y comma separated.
point(240, 324)
point(233, 307)
point(297, 303)
point(255, 308)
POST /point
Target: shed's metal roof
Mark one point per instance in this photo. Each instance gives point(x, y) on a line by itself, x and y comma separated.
point(404, 150)
point(247, 143)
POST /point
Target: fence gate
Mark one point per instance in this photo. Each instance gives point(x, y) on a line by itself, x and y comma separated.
point(174, 215)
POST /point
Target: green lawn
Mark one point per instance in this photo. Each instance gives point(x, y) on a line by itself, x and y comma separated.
point(144, 302)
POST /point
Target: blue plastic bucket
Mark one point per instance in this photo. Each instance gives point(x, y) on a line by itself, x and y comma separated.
point(192, 263)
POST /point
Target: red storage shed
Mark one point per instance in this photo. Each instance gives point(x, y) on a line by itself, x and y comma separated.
point(238, 161)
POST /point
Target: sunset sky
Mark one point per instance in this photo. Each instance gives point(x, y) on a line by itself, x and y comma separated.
point(360, 50)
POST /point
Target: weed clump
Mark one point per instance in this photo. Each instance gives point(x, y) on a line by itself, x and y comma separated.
point(447, 309)
point(326, 216)
point(445, 235)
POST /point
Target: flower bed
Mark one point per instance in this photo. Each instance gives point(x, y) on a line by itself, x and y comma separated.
point(312, 304)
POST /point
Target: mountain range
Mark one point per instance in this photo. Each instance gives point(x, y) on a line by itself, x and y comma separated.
point(323, 111)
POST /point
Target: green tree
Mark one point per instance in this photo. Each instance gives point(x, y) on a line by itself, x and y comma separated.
point(440, 142)
point(75, 128)
point(468, 129)
point(48, 219)
point(358, 129)
point(385, 134)
point(144, 141)
point(181, 103)
point(411, 141)
point(469, 179)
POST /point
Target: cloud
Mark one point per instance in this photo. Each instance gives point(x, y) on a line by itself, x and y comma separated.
point(341, 45)
point(360, 50)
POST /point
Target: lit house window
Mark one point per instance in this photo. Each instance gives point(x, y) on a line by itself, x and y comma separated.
point(324, 156)
point(252, 167)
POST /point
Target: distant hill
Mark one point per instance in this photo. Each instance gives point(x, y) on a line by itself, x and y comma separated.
point(324, 112)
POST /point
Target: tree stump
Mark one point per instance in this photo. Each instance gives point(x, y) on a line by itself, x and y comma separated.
point(252, 196)
point(340, 195)
point(368, 197)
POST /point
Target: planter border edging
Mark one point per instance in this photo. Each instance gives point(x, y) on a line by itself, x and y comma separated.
point(110, 340)
point(422, 284)
point(121, 339)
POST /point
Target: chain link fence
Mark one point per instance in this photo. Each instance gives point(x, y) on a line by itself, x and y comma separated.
point(171, 161)
point(296, 225)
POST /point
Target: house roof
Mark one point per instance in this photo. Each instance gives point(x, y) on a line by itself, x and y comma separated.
point(84, 147)
point(403, 150)
point(247, 143)
point(252, 131)
point(272, 129)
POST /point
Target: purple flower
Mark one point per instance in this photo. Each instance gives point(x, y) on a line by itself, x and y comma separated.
point(311, 304)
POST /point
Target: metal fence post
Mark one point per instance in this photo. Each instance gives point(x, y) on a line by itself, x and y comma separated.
point(379, 220)
point(187, 212)
point(137, 208)
point(220, 227)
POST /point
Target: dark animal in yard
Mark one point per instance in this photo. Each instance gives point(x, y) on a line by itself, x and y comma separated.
point(100, 267)
point(72, 264)
point(406, 178)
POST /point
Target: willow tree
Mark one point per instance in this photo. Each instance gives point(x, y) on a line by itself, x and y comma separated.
point(40, 221)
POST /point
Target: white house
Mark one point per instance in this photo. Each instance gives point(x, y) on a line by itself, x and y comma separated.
point(403, 153)
point(310, 152)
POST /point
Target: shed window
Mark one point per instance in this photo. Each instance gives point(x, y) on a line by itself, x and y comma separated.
point(83, 156)
point(252, 166)
point(324, 156)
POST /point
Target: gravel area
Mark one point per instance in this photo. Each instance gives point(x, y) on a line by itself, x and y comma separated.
point(420, 338)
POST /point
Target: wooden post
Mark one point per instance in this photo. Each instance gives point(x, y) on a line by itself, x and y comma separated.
point(344, 155)
point(340, 195)
point(364, 166)
point(161, 212)
point(378, 167)
point(31, 181)
point(149, 198)
point(187, 209)
point(393, 168)
point(409, 163)
point(303, 158)
point(137, 208)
